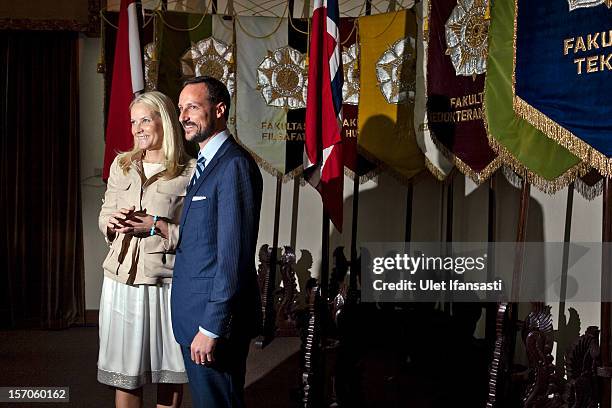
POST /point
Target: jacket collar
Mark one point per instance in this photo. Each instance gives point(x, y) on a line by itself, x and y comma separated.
point(214, 144)
point(210, 166)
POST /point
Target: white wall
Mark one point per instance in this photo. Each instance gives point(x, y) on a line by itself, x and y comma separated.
point(382, 205)
point(92, 155)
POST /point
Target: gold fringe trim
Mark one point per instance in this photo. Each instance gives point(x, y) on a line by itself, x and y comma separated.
point(565, 138)
point(384, 167)
point(586, 191)
point(511, 176)
point(297, 172)
point(434, 170)
point(477, 177)
point(370, 175)
point(543, 184)
point(514, 50)
point(552, 129)
point(589, 192)
point(268, 168)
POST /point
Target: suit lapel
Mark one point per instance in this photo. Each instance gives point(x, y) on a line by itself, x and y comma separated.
point(207, 170)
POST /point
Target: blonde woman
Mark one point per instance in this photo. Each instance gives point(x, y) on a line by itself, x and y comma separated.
point(139, 219)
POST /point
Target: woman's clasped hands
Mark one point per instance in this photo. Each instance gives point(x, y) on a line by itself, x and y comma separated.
point(130, 222)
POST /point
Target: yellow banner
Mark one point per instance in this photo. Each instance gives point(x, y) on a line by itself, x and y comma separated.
point(387, 94)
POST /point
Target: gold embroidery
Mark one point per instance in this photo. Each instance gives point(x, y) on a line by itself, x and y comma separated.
point(396, 71)
point(282, 78)
point(363, 178)
point(150, 67)
point(477, 177)
point(576, 4)
point(213, 58)
point(466, 37)
point(436, 172)
point(350, 67)
point(589, 192)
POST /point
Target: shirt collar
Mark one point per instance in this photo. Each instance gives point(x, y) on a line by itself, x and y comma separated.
point(213, 145)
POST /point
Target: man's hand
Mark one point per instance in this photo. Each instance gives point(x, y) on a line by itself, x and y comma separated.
point(202, 349)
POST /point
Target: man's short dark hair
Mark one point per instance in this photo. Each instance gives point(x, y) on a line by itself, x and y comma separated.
point(217, 91)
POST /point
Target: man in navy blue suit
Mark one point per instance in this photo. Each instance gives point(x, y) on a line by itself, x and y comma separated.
point(216, 308)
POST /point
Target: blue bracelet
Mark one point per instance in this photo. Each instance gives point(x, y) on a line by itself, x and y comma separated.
point(152, 232)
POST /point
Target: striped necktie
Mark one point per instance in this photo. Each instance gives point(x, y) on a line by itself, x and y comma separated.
point(198, 170)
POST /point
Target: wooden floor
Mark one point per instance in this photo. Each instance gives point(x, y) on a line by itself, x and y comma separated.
point(68, 358)
point(392, 358)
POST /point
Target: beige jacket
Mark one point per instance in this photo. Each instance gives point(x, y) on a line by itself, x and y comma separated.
point(148, 260)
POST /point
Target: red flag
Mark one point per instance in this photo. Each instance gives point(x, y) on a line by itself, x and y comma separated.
point(128, 79)
point(323, 165)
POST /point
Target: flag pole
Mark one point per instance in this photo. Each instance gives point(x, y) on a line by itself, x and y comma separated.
point(605, 371)
point(295, 213)
point(448, 236)
point(564, 266)
point(519, 253)
point(506, 318)
point(409, 205)
point(270, 282)
point(323, 161)
point(324, 278)
point(491, 308)
point(450, 192)
point(521, 233)
point(355, 216)
point(323, 308)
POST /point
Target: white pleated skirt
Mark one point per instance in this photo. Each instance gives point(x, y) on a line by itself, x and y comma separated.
point(137, 345)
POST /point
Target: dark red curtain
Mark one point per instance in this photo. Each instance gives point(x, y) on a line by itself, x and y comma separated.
point(41, 267)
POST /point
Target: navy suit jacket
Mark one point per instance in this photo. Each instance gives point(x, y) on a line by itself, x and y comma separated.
point(215, 281)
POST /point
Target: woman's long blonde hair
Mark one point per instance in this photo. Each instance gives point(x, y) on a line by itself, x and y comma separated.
point(175, 156)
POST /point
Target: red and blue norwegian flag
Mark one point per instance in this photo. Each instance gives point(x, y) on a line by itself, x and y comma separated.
point(323, 165)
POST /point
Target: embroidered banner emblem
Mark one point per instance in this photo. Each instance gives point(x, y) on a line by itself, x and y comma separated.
point(213, 58)
point(282, 78)
point(396, 71)
point(466, 37)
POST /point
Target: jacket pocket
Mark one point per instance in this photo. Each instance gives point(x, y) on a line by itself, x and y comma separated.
point(124, 194)
point(158, 263)
point(167, 201)
point(119, 259)
point(171, 188)
point(110, 263)
point(123, 184)
point(203, 203)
